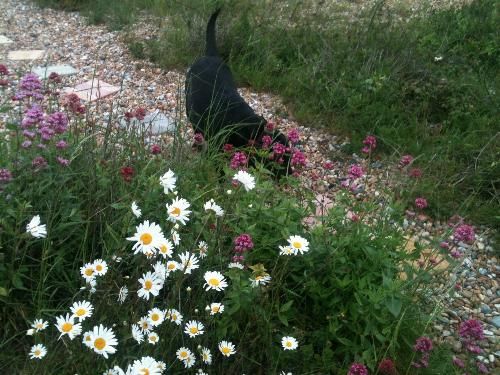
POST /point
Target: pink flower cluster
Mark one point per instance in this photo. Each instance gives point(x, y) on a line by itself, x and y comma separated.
point(29, 87)
point(239, 160)
point(242, 244)
point(387, 367)
point(3, 73)
point(139, 113)
point(293, 136)
point(5, 175)
point(355, 171)
point(73, 104)
point(421, 203)
point(370, 143)
point(357, 369)
point(423, 345)
point(464, 233)
point(471, 333)
point(198, 139)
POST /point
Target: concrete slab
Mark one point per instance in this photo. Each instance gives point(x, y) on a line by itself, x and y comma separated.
point(154, 123)
point(63, 70)
point(5, 40)
point(93, 90)
point(26, 54)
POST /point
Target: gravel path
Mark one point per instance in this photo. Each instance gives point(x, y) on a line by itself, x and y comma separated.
point(97, 52)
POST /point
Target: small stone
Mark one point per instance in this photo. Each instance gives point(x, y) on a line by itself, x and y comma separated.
point(483, 271)
point(5, 40)
point(496, 321)
point(485, 309)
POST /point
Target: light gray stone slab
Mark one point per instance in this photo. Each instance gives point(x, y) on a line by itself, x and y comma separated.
point(26, 54)
point(5, 40)
point(154, 123)
point(63, 70)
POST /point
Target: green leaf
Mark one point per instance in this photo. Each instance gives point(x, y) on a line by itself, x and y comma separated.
point(3, 292)
point(394, 304)
point(286, 306)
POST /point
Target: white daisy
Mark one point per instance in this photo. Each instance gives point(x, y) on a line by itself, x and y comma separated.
point(145, 325)
point(214, 280)
point(148, 237)
point(189, 362)
point(36, 229)
point(260, 280)
point(178, 210)
point(215, 308)
point(203, 249)
point(145, 366)
point(176, 239)
point(183, 353)
point(122, 294)
point(289, 343)
point(66, 325)
point(82, 310)
point(288, 250)
point(38, 351)
point(100, 267)
point(156, 316)
point(30, 332)
point(188, 262)
point(226, 348)
point(174, 316)
point(165, 248)
point(87, 339)
point(246, 179)
point(88, 272)
point(168, 181)
point(103, 341)
point(211, 205)
point(162, 366)
point(116, 371)
point(40, 325)
point(137, 335)
point(235, 265)
point(160, 270)
point(153, 338)
point(150, 284)
point(206, 356)
point(298, 243)
point(194, 328)
point(136, 210)
point(172, 266)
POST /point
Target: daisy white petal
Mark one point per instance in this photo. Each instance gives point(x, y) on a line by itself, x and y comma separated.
point(226, 348)
point(36, 229)
point(38, 351)
point(246, 179)
point(136, 210)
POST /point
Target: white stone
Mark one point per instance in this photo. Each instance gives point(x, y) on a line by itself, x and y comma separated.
point(154, 123)
point(26, 54)
point(5, 40)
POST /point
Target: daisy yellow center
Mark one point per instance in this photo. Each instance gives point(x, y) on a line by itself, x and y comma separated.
point(214, 282)
point(215, 309)
point(80, 312)
point(164, 249)
point(155, 317)
point(87, 338)
point(152, 338)
point(297, 245)
point(100, 343)
point(145, 371)
point(183, 354)
point(176, 211)
point(99, 267)
point(146, 238)
point(148, 284)
point(145, 325)
point(38, 352)
point(289, 343)
point(39, 325)
point(226, 350)
point(66, 327)
point(171, 266)
point(259, 277)
point(89, 272)
point(193, 330)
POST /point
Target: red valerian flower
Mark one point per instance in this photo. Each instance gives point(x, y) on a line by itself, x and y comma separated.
point(127, 173)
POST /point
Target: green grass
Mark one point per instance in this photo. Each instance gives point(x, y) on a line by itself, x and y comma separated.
point(373, 75)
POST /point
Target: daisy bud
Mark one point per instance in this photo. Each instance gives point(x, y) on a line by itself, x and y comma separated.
point(229, 192)
point(188, 289)
point(30, 332)
point(196, 311)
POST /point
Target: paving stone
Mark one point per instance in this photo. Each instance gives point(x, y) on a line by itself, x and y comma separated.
point(154, 123)
point(26, 54)
point(93, 90)
point(62, 70)
point(5, 40)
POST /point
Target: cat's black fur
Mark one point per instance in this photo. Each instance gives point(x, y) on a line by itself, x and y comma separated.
point(213, 104)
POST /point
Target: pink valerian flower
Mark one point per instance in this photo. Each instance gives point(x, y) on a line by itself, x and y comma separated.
point(32, 117)
point(58, 121)
point(26, 144)
point(228, 147)
point(39, 162)
point(298, 158)
point(444, 245)
point(5, 175)
point(481, 367)
point(423, 344)
point(243, 243)
point(62, 161)
point(73, 103)
point(415, 173)
point(29, 87)
point(293, 136)
point(198, 139)
point(352, 216)
point(127, 173)
point(29, 134)
point(3, 70)
point(41, 146)
point(357, 369)
point(455, 253)
point(4, 82)
point(61, 144)
point(355, 171)
point(140, 113)
point(387, 367)
point(370, 143)
point(464, 233)
point(471, 332)
point(54, 77)
point(266, 141)
point(328, 165)
point(279, 148)
point(458, 362)
point(269, 127)
point(238, 160)
point(421, 203)
point(155, 149)
point(405, 160)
